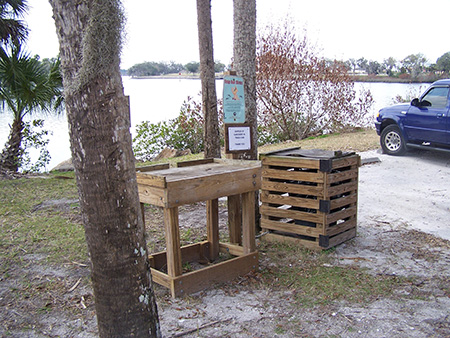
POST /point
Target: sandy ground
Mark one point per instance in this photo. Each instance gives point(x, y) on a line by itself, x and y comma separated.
point(403, 228)
point(413, 189)
point(403, 225)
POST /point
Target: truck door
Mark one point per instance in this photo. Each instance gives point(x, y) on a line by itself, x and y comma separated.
point(428, 121)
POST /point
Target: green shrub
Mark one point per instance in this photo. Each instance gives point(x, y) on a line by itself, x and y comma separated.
point(181, 133)
point(34, 136)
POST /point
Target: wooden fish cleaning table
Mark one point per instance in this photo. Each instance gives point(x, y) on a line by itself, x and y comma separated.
point(191, 182)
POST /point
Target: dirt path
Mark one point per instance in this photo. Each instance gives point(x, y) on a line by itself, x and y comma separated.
point(403, 224)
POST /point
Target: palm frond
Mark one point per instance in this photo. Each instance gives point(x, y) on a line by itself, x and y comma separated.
point(12, 29)
point(27, 85)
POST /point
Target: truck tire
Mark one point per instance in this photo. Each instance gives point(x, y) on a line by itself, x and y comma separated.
point(392, 141)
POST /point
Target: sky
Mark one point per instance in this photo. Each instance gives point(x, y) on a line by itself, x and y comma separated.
point(158, 30)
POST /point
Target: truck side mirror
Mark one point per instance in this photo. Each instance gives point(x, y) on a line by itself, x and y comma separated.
point(415, 102)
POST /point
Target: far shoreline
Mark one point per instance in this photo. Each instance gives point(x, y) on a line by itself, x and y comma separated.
point(173, 76)
point(355, 78)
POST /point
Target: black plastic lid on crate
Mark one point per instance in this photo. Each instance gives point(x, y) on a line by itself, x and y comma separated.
point(310, 153)
point(325, 156)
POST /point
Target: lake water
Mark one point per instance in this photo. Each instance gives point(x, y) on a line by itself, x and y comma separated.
point(160, 99)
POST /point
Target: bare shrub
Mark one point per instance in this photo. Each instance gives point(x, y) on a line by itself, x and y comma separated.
point(301, 94)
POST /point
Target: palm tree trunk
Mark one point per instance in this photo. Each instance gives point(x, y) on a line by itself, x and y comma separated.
point(207, 76)
point(10, 157)
point(99, 120)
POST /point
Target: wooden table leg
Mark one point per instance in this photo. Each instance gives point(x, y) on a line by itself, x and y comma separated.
point(248, 222)
point(235, 219)
point(212, 227)
point(174, 267)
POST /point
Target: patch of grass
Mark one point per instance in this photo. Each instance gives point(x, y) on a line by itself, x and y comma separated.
point(279, 330)
point(28, 229)
point(323, 285)
point(187, 267)
point(316, 280)
point(186, 236)
point(361, 140)
point(320, 136)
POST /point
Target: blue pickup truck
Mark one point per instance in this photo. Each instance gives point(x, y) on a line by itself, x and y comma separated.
point(425, 122)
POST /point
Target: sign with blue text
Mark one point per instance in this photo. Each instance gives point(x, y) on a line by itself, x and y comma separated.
point(233, 99)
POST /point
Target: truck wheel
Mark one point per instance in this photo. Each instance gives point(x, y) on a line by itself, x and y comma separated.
point(392, 141)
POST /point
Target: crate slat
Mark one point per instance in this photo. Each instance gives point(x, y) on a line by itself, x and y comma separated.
point(337, 229)
point(293, 175)
point(342, 176)
point(343, 201)
point(292, 214)
point(292, 188)
point(290, 162)
point(290, 228)
point(267, 197)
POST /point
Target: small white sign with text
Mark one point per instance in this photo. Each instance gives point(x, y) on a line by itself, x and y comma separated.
point(239, 138)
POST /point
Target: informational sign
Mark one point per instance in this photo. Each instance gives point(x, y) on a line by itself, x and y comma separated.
point(238, 138)
point(233, 99)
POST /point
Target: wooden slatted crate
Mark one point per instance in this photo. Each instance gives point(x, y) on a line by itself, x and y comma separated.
point(309, 196)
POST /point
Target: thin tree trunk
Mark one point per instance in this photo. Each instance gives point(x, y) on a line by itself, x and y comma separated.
point(244, 52)
point(10, 157)
point(99, 123)
point(245, 62)
point(207, 76)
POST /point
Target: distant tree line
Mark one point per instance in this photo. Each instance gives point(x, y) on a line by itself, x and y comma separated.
point(151, 68)
point(411, 67)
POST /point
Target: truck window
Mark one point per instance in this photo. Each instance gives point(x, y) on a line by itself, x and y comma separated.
point(437, 97)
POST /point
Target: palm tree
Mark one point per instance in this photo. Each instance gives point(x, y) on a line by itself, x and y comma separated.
point(26, 86)
point(12, 30)
point(99, 122)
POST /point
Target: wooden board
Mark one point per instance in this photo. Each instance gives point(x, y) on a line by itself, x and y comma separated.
point(267, 197)
point(189, 253)
point(291, 228)
point(200, 182)
point(222, 272)
point(310, 244)
point(200, 279)
point(293, 175)
point(290, 162)
point(292, 188)
point(194, 162)
point(193, 189)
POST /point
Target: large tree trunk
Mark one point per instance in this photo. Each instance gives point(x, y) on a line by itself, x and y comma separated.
point(99, 123)
point(10, 157)
point(207, 76)
point(245, 61)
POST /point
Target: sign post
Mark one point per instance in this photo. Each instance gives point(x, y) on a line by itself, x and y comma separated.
point(238, 141)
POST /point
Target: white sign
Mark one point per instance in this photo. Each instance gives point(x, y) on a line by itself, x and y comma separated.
point(239, 138)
